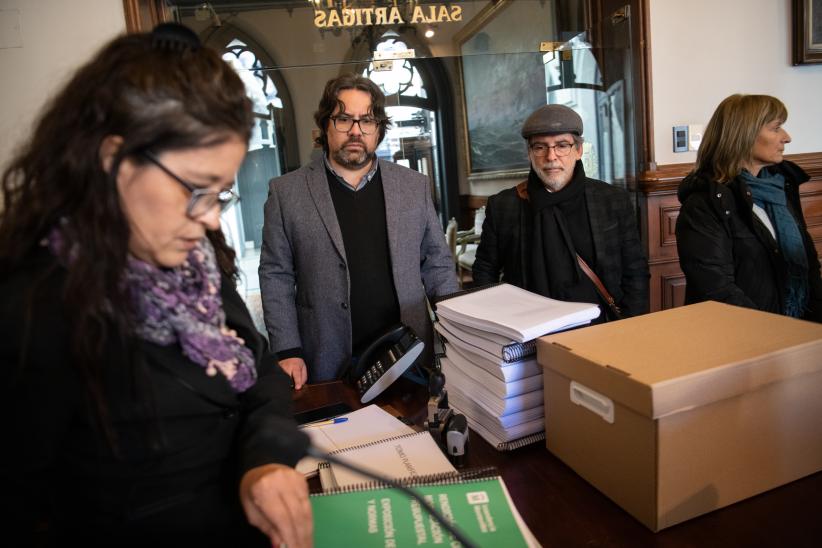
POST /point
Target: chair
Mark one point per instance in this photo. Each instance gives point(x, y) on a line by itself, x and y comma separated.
point(463, 245)
point(466, 252)
point(451, 237)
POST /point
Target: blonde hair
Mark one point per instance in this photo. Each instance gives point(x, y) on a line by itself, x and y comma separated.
point(728, 140)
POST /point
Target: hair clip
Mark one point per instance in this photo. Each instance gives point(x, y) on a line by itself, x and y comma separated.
point(174, 37)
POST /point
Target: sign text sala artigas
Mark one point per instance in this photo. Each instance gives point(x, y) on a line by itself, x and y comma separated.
point(345, 16)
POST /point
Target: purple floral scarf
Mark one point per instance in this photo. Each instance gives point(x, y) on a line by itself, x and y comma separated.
point(183, 304)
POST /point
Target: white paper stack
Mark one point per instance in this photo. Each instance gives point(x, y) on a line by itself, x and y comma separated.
point(490, 364)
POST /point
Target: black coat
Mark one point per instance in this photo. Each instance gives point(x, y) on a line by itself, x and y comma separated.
point(505, 247)
point(728, 255)
point(184, 438)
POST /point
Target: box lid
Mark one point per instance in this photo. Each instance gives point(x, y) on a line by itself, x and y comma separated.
point(686, 357)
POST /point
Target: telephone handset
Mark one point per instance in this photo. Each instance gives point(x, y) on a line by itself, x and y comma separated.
point(384, 361)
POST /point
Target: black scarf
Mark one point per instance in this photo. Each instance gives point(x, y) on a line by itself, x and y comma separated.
point(561, 229)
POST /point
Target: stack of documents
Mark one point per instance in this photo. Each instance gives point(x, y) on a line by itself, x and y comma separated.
point(490, 364)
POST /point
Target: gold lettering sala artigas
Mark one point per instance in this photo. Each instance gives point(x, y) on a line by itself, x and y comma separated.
point(359, 17)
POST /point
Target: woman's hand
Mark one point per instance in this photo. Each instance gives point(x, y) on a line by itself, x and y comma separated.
point(295, 368)
point(275, 500)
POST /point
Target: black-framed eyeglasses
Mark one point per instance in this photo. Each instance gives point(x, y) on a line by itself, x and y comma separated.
point(563, 148)
point(343, 123)
point(201, 200)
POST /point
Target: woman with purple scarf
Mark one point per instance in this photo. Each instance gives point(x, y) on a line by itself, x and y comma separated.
point(139, 404)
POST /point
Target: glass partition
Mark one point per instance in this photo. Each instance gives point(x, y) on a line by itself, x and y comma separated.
point(460, 78)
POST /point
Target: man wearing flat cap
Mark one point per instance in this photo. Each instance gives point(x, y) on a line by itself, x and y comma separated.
point(561, 234)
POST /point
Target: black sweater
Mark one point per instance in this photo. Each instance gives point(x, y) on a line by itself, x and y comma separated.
point(373, 298)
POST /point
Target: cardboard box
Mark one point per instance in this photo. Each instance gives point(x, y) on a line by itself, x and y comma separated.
point(677, 413)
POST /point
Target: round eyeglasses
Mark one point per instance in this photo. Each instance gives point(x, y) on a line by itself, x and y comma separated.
point(343, 123)
point(202, 200)
point(562, 148)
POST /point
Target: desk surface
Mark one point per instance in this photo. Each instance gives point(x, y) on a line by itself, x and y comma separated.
point(562, 509)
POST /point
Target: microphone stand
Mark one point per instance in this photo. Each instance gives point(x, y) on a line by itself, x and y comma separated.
point(313, 452)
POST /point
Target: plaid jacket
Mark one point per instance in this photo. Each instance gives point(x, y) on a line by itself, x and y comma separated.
point(505, 248)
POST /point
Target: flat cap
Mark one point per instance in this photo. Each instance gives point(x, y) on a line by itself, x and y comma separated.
point(552, 119)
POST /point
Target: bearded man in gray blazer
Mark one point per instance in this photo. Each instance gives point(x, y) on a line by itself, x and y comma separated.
point(351, 244)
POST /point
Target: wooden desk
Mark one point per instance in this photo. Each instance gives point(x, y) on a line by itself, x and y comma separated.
point(564, 510)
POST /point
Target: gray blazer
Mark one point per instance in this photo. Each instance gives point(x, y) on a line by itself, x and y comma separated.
point(303, 273)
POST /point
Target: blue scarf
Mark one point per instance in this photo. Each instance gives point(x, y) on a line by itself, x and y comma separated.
point(769, 193)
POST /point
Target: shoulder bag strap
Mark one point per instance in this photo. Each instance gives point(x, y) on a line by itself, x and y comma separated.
point(615, 310)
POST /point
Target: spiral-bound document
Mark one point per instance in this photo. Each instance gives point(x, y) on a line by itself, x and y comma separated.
point(370, 514)
point(504, 370)
point(371, 423)
point(409, 455)
point(497, 345)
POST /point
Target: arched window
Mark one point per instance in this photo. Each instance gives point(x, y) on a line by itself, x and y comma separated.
point(263, 160)
point(272, 149)
point(258, 83)
point(403, 78)
point(412, 106)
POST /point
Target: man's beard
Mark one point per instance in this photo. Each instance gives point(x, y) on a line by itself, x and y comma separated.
point(355, 159)
point(554, 182)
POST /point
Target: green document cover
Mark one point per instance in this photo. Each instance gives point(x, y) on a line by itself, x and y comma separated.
point(386, 517)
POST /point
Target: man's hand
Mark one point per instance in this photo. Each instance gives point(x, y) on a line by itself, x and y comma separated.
point(275, 500)
point(295, 368)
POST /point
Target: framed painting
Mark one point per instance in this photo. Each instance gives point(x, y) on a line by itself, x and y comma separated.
point(502, 79)
point(807, 32)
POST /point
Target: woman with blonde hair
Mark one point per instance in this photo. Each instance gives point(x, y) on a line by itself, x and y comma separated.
point(741, 235)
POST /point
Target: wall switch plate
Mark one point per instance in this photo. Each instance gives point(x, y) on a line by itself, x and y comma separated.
point(10, 33)
point(695, 132)
point(680, 138)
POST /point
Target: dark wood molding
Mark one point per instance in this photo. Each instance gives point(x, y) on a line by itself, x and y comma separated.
point(805, 52)
point(811, 162)
point(637, 72)
point(131, 9)
point(666, 178)
point(663, 178)
point(144, 15)
point(646, 83)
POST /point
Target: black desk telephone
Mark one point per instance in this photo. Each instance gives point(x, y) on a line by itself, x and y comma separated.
point(384, 361)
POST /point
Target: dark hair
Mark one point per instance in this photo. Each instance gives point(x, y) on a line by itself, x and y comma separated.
point(729, 138)
point(330, 102)
point(159, 91)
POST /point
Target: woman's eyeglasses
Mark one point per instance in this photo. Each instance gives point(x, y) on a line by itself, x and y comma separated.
point(562, 148)
point(202, 200)
point(343, 123)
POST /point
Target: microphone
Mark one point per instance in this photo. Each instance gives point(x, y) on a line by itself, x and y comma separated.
point(294, 444)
